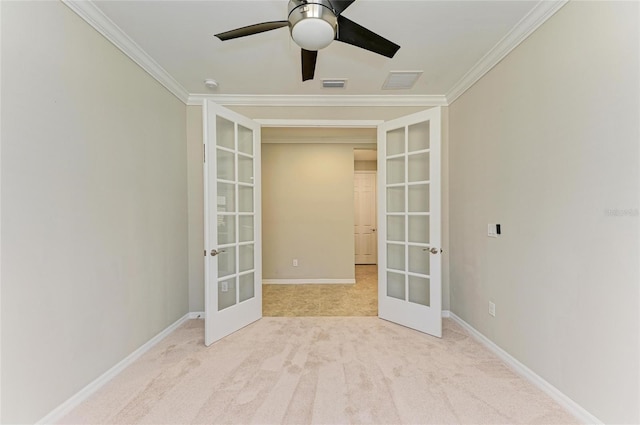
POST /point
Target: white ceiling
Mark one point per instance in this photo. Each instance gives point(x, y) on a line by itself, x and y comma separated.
point(445, 39)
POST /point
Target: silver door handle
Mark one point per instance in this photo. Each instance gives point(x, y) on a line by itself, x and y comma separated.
point(215, 252)
point(432, 250)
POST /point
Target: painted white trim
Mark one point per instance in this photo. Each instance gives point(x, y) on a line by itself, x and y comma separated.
point(308, 281)
point(320, 141)
point(88, 11)
point(319, 100)
point(571, 406)
point(0, 233)
point(59, 412)
point(527, 25)
point(319, 123)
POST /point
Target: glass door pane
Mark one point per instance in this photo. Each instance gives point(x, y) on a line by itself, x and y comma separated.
point(226, 293)
point(419, 136)
point(225, 133)
point(419, 291)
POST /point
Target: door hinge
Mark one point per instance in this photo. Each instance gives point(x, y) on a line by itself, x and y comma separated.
point(204, 155)
point(205, 252)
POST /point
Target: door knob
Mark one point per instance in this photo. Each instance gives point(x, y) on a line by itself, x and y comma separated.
point(433, 250)
point(215, 252)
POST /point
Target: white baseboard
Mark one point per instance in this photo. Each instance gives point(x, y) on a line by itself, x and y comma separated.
point(196, 315)
point(446, 314)
point(571, 406)
point(59, 412)
point(307, 281)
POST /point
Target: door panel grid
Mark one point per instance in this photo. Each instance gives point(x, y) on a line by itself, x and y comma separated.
point(235, 178)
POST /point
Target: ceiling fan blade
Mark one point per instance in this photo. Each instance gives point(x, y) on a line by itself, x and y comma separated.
point(309, 58)
point(357, 35)
point(340, 5)
point(251, 29)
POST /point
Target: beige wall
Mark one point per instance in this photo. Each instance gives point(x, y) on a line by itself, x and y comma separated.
point(196, 208)
point(546, 144)
point(307, 207)
point(365, 165)
point(94, 207)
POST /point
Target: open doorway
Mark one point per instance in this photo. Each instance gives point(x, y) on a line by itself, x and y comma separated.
point(309, 263)
point(365, 206)
point(409, 278)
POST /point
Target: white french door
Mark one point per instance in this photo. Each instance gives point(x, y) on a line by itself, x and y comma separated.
point(233, 264)
point(409, 268)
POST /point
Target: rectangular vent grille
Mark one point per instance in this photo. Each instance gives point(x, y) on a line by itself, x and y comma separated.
point(401, 80)
point(334, 83)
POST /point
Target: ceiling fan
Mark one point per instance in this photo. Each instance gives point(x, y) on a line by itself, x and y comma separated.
point(314, 24)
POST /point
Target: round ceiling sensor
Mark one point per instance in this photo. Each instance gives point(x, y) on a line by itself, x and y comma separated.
point(210, 83)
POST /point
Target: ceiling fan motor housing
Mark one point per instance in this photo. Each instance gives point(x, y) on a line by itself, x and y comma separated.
point(312, 23)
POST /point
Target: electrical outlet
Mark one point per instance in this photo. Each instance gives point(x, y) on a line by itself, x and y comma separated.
point(492, 309)
point(295, 262)
point(224, 287)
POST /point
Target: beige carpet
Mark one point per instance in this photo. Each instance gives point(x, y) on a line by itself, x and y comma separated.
point(319, 370)
point(359, 299)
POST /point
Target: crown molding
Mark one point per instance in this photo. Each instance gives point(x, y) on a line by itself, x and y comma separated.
point(88, 11)
point(527, 25)
point(319, 100)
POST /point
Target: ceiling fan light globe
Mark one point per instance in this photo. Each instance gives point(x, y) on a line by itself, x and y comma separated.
point(313, 34)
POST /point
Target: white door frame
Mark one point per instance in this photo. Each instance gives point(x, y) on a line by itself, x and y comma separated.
point(319, 123)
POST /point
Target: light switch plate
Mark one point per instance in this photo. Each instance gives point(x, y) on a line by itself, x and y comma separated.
point(492, 231)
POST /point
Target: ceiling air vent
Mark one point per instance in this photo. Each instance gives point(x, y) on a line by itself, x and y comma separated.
point(334, 83)
point(400, 80)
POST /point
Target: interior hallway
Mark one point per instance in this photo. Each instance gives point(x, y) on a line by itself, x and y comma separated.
point(360, 299)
